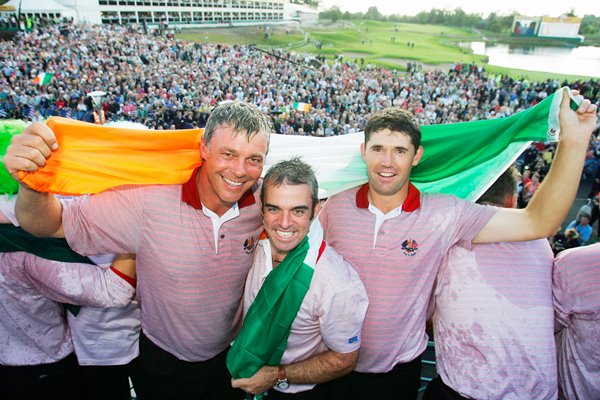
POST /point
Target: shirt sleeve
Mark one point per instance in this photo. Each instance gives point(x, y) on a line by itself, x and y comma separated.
point(471, 219)
point(575, 280)
point(562, 298)
point(109, 222)
point(7, 208)
point(80, 284)
point(585, 233)
point(343, 312)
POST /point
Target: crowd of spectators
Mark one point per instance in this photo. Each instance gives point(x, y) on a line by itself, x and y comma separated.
point(534, 163)
point(165, 83)
point(27, 23)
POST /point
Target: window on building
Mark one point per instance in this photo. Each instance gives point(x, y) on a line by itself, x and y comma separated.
point(110, 17)
point(128, 17)
point(197, 16)
point(159, 16)
point(145, 16)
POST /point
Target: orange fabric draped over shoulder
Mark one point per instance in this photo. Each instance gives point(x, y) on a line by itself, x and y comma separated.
point(93, 158)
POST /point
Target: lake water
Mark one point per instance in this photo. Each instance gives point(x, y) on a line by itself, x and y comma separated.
point(582, 60)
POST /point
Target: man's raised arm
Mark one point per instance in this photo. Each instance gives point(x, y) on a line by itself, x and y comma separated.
point(38, 213)
point(552, 201)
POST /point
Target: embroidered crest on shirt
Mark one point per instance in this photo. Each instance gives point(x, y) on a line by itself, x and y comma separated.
point(410, 247)
point(249, 245)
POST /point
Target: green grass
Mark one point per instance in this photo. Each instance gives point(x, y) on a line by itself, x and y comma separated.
point(537, 76)
point(433, 45)
point(247, 35)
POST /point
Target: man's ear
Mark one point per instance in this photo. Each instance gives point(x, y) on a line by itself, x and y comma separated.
point(417, 157)
point(316, 209)
point(510, 201)
point(204, 150)
point(363, 151)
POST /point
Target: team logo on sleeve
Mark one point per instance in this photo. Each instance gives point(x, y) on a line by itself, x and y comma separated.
point(249, 245)
point(410, 247)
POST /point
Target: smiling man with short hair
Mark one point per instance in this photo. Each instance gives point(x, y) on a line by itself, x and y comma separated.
point(324, 330)
point(193, 244)
point(396, 238)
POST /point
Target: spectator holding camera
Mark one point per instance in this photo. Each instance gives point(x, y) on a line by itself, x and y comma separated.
point(582, 228)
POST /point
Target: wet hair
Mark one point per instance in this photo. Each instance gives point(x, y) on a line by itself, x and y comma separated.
point(505, 185)
point(396, 120)
point(292, 172)
point(244, 118)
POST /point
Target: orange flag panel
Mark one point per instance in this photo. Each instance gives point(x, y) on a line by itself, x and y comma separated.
point(93, 158)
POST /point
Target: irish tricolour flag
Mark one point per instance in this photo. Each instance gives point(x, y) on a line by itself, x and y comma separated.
point(463, 158)
point(302, 107)
point(43, 78)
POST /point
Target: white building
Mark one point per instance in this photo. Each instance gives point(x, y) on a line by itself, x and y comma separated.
point(561, 27)
point(154, 12)
point(36, 8)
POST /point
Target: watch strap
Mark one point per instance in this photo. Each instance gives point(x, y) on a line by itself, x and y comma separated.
point(281, 373)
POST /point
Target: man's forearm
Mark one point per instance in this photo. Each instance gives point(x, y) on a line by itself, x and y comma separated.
point(552, 201)
point(321, 367)
point(81, 284)
point(547, 208)
point(316, 369)
point(554, 198)
point(39, 213)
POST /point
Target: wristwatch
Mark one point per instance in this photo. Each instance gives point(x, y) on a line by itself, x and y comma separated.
point(282, 381)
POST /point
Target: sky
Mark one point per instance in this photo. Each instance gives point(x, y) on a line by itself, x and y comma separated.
point(504, 7)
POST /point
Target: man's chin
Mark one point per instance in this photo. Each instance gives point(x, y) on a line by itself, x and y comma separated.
point(386, 190)
point(232, 196)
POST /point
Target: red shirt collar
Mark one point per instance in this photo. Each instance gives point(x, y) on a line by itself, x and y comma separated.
point(191, 196)
point(412, 202)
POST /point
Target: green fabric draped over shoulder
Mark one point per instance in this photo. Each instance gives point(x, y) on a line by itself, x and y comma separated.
point(14, 239)
point(263, 338)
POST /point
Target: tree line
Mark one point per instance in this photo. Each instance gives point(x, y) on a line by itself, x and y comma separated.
point(457, 18)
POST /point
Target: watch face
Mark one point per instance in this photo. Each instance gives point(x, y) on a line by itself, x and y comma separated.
point(283, 384)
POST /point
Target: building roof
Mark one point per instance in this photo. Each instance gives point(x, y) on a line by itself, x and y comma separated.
point(38, 6)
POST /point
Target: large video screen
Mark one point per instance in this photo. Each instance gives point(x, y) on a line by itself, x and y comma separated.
point(525, 26)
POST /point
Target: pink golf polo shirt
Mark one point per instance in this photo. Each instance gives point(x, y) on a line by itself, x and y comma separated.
point(397, 257)
point(190, 278)
point(494, 321)
point(576, 290)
